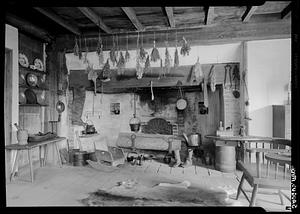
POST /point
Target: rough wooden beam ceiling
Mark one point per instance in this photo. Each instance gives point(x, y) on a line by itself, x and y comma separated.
point(170, 15)
point(28, 27)
point(286, 12)
point(209, 15)
point(132, 16)
point(59, 20)
point(94, 18)
point(248, 13)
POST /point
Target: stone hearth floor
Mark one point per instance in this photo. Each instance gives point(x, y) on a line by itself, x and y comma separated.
point(54, 186)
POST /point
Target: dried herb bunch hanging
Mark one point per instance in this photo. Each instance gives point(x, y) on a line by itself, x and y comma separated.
point(76, 48)
point(106, 71)
point(121, 64)
point(112, 53)
point(154, 54)
point(147, 64)
point(99, 51)
point(127, 55)
point(167, 58)
point(212, 79)
point(85, 59)
point(185, 49)
point(80, 50)
point(197, 72)
point(176, 56)
point(139, 69)
point(92, 75)
point(143, 53)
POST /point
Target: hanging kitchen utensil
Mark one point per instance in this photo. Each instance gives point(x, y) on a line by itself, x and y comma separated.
point(155, 53)
point(134, 122)
point(246, 89)
point(76, 48)
point(60, 107)
point(212, 78)
point(227, 73)
point(152, 94)
point(236, 78)
point(181, 103)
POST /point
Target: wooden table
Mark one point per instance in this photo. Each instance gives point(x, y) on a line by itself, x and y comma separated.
point(241, 141)
point(29, 147)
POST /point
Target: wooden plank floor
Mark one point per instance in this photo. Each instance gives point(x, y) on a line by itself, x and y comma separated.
point(54, 186)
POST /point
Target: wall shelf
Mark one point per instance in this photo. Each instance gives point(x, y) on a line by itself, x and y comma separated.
point(35, 88)
point(33, 105)
point(31, 70)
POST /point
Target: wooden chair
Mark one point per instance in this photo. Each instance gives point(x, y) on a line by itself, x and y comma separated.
point(262, 176)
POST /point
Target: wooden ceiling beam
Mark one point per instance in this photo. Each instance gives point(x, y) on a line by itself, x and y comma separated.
point(132, 16)
point(28, 27)
point(170, 15)
point(209, 15)
point(94, 18)
point(59, 20)
point(248, 13)
point(286, 12)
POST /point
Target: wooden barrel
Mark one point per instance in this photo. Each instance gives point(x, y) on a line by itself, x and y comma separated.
point(80, 158)
point(225, 158)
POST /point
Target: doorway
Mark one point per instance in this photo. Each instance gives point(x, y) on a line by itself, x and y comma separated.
point(8, 105)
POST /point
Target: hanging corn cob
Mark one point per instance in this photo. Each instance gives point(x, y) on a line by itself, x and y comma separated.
point(154, 54)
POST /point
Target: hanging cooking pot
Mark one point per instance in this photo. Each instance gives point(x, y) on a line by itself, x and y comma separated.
point(181, 103)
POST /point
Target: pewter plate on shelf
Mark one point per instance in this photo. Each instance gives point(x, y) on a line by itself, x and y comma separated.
point(23, 61)
point(38, 65)
point(31, 79)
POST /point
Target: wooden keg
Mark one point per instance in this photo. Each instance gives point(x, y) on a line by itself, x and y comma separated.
point(225, 158)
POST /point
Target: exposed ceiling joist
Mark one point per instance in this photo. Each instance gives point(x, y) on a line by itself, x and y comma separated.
point(28, 27)
point(59, 20)
point(170, 15)
point(209, 15)
point(94, 18)
point(132, 16)
point(248, 13)
point(286, 12)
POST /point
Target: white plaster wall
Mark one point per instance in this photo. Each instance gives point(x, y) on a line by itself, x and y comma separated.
point(269, 72)
point(12, 42)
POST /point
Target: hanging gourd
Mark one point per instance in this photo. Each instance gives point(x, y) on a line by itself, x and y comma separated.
point(154, 54)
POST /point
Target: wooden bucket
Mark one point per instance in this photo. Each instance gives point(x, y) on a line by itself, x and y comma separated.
point(80, 158)
point(225, 158)
point(22, 136)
